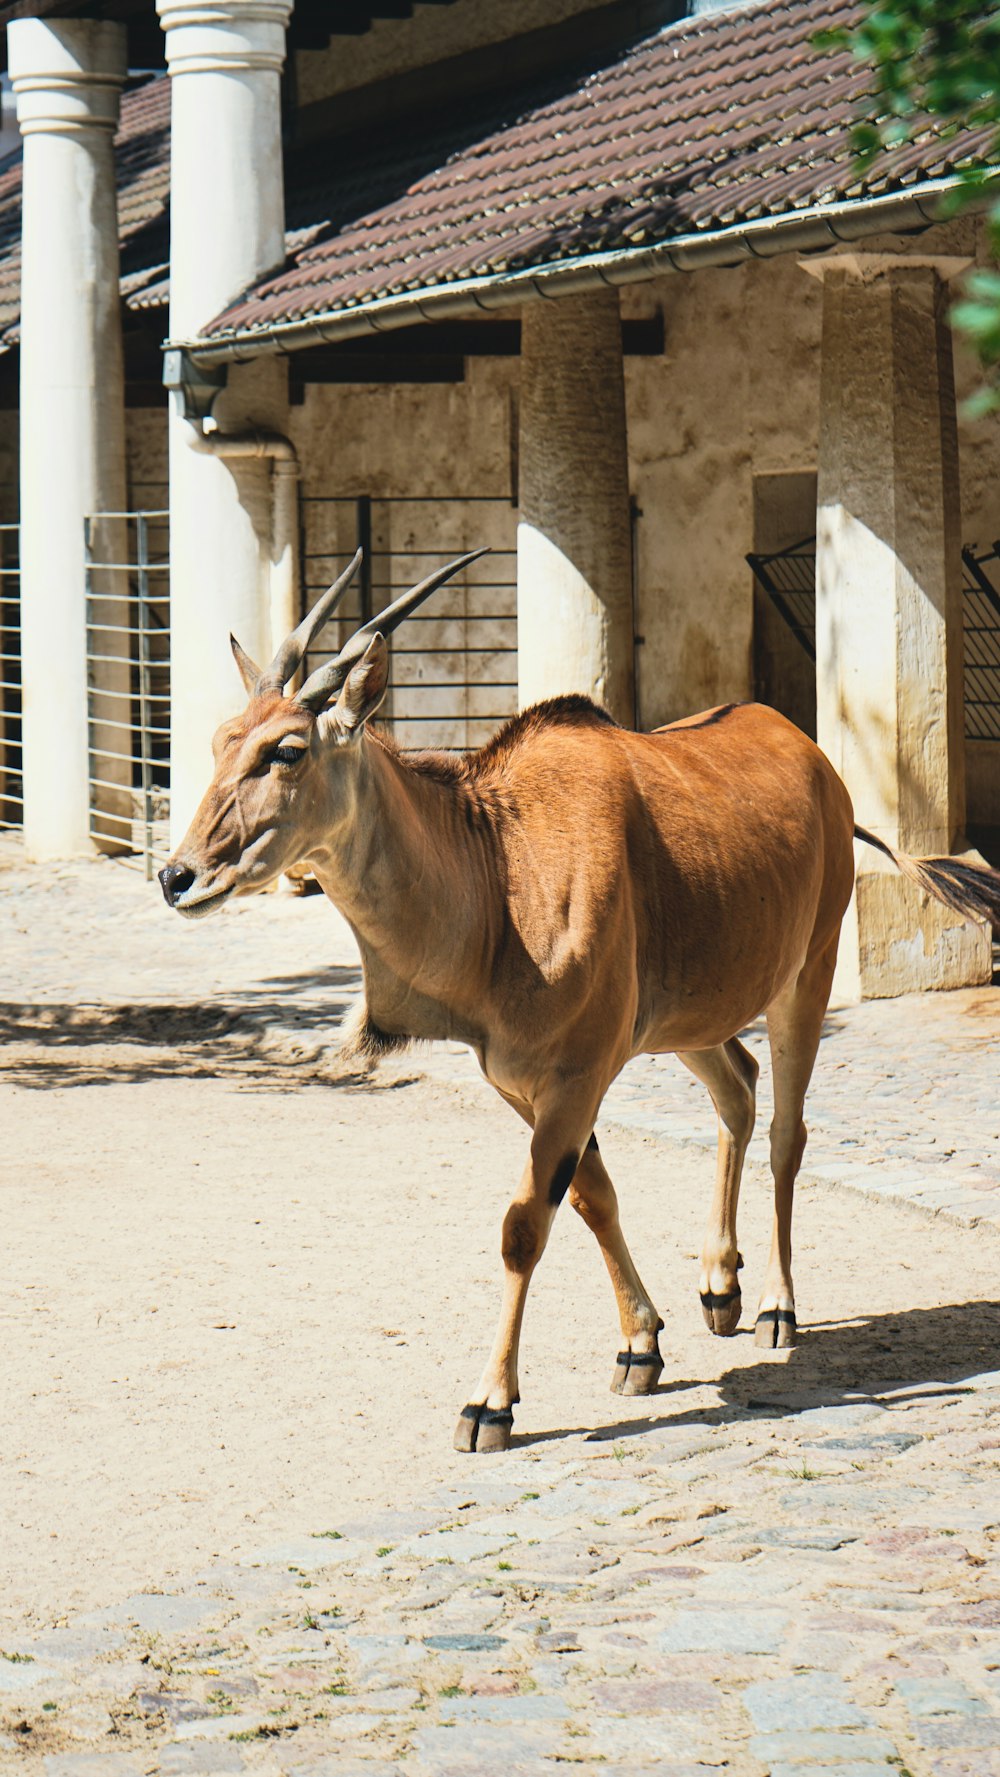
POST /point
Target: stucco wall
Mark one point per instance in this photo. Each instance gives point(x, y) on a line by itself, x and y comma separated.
point(735, 394)
point(733, 399)
point(146, 453)
point(438, 462)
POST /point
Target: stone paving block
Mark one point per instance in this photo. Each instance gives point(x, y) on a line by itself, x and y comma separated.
point(850, 1413)
point(789, 1536)
point(388, 1527)
point(888, 1441)
point(217, 1727)
point(985, 1615)
point(640, 1695)
point(821, 1747)
point(333, 1764)
point(481, 1748)
point(532, 1706)
point(733, 1632)
point(961, 1732)
point(924, 1697)
point(962, 1764)
point(27, 1675)
point(649, 1739)
point(307, 1553)
point(75, 1645)
point(852, 1768)
point(454, 1545)
point(372, 1653)
point(812, 1700)
point(160, 1613)
point(460, 1643)
point(198, 1761)
point(94, 1764)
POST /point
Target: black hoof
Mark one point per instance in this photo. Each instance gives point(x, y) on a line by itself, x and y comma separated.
point(722, 1312)
point(637, 1372)
point(484, 1429)
point(776, 1329)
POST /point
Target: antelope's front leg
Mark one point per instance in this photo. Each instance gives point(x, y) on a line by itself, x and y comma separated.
point(487, 1420)
point(639, 1365)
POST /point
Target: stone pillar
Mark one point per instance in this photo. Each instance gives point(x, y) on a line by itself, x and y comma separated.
point(227, 228)
point(67, 76)
point(574, 546)
point(889, 615)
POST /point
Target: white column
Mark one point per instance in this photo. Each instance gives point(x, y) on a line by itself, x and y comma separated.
point(67, 77)
point(574, 550)
point(227, 225)
point(888, 612)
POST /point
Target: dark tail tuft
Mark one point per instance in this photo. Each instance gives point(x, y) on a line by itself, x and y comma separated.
point(970, 889)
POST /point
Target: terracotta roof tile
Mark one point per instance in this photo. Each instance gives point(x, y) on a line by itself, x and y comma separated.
point(721, 119)
point(718, 120)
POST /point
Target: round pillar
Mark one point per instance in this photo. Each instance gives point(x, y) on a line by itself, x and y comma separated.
point(574, 549)
point(227, 228)
point(67, 77)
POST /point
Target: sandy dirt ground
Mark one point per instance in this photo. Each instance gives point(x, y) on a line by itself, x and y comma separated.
point(234, 1309)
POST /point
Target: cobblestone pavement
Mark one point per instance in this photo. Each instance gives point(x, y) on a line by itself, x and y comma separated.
point(787, 1588)
point(802, 1576)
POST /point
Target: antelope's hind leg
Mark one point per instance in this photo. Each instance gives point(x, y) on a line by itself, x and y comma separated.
point(560, 1135)
point(730, 1073)
point(639, 1365)
point(794, 1026)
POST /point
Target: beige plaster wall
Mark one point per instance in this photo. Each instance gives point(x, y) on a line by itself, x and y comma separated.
point(453, 444)
point(735, 394)
point(733, 398)
point(736, 397)
point(146, 454)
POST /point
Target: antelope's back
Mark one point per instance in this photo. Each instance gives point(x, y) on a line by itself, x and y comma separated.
point(711, 852)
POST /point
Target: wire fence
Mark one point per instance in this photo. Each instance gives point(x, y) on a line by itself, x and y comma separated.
point(454, 662)
point(128, 684)
point(788, 577)
point(11, 751)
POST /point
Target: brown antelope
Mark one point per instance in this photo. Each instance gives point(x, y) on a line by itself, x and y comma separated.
point(569, 896)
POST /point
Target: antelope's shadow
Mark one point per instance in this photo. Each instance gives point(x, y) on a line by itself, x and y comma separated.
point(930, 1353)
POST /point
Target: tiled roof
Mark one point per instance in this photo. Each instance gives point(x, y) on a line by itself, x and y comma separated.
point(720, 121)
point(715, 122)
point(142, 152)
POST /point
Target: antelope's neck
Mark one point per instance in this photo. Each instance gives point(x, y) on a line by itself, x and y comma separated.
point(421, 884)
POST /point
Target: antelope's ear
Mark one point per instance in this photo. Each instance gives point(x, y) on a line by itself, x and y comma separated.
point(249, 673)
point(364, 688)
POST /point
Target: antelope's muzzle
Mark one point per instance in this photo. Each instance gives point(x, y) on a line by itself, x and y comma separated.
point(175, 880)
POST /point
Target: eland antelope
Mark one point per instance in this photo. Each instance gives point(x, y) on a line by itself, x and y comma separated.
point(569, 896)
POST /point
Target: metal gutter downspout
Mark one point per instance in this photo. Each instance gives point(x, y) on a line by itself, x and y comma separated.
point(804, 231)
point(260, 446)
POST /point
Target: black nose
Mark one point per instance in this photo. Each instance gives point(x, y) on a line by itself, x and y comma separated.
point(175, 879)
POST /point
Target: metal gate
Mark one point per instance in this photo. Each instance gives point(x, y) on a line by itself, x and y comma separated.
point(128, 684)
point(788, 577)
point(454, 664)
point(11, 769)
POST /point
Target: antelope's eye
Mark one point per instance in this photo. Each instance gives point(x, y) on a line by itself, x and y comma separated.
point(289, 752)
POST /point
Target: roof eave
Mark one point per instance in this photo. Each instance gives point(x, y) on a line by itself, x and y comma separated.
point(811, 230)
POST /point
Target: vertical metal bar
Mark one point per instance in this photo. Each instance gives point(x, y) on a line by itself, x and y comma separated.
point(634, 515)
point(364, 521)
point(93, 770)
point(145, 688)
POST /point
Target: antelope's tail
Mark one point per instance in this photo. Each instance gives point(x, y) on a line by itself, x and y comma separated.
point(969, 889)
